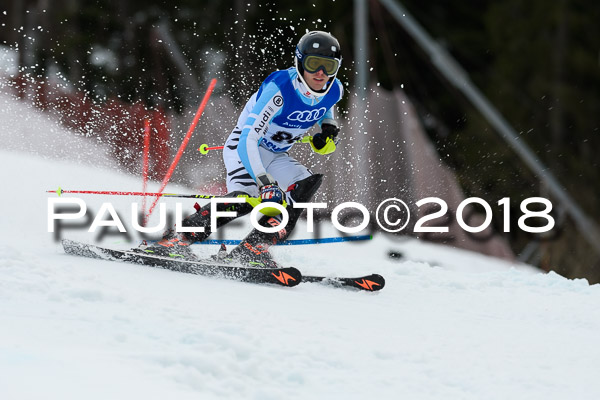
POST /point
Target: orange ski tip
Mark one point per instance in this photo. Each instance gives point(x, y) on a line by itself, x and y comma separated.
point(367, 284)
point(283, 277)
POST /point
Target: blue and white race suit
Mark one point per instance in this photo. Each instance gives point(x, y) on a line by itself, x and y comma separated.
point(274, 118)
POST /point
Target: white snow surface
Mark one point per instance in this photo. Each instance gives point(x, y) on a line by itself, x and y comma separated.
point(449, 324)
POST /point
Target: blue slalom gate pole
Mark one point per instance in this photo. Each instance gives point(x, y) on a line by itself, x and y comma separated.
point(295, 241)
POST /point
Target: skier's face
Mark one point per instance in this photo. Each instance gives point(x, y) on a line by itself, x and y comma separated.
point(317, 80)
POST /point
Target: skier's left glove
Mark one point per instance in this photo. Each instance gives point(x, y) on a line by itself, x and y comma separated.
point(269, 190)
point(324, 141)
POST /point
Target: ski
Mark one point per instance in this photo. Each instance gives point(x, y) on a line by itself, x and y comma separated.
point(288, 276)
point(284, 276)
point(370, 283)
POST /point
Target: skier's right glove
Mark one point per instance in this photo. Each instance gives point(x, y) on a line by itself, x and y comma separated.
point(269, 190)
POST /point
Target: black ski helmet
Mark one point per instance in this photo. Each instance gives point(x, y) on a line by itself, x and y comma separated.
point(319, 44)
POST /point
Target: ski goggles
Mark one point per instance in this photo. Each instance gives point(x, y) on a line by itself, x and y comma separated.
point(312, 64)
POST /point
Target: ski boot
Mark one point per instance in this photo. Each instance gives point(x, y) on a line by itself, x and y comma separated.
point(177, 244)
point(253, 255)
point(173, 245)
point(253, 251)
point(202, 216)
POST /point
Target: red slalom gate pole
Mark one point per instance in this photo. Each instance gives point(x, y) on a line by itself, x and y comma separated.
point(186, 139)
point(145, 162)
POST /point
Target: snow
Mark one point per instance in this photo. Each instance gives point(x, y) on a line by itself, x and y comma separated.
point(449, 323)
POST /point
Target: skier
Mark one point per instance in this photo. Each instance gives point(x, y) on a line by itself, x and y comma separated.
point(287, 104)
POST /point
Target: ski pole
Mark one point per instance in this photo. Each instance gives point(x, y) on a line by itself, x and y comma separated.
point(205, 148)
point(253, 201)
point(119, 193)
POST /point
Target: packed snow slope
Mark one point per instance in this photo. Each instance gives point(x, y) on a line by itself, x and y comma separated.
point(448, 325)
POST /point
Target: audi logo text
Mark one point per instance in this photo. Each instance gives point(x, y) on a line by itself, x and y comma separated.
point(307, 116)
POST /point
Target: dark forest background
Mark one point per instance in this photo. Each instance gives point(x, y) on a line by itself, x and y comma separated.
point(537, 61)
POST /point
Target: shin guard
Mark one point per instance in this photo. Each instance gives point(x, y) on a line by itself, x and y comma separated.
point(201, 218)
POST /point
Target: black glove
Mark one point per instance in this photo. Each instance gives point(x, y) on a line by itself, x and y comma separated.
point(327, 131)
